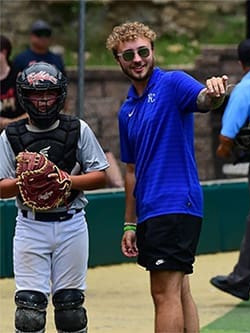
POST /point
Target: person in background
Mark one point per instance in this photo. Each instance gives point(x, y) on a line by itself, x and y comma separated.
point(39, 50)
point(164, 204)
point(10, 111)
point(40, 40)
point(236, 115)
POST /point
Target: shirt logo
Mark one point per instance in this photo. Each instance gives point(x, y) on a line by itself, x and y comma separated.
point(45, 151)
point(151, 97)
point(131, 113)
point(34, 78)
point(159, 262)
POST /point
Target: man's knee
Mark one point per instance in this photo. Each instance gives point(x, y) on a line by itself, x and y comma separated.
point(166, 286)
point(70, 316)
point(31, 311)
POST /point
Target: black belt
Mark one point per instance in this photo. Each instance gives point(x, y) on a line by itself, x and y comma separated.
point(59, 216)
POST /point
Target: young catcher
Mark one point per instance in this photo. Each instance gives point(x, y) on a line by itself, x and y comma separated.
point(47, 162)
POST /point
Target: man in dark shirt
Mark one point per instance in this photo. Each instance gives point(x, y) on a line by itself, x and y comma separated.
point(40, 38)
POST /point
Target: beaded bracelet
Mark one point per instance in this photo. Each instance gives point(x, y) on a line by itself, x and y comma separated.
point(130, 223)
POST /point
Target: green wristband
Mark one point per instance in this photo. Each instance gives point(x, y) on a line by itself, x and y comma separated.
point(130, 227)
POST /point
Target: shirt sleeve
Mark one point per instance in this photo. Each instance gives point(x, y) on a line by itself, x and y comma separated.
point(237, 111)
point(7, 165)
point(89, 152)
point(187, 90)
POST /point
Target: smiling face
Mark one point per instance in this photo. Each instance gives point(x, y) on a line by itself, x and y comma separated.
point(141, 66)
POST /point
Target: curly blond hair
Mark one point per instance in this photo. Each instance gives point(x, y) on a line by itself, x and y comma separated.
point(128, 31)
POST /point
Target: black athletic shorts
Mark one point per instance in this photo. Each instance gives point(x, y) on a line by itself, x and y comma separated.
point(168, 242)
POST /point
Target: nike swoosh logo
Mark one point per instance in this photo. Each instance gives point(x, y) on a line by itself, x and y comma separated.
point(131, 113)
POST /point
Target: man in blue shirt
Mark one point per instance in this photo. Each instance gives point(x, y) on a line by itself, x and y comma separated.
point(236, 115)
point(163, 196)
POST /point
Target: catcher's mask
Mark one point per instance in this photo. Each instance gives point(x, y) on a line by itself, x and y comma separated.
point(41, 77)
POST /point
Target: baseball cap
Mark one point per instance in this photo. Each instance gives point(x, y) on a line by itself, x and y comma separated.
point(41, 28)
point(244, 52)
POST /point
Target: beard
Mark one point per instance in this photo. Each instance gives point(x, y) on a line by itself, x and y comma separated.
point(138, 78)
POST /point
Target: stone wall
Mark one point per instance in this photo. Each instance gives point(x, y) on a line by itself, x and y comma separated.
point(105, 90)
point(216, 61)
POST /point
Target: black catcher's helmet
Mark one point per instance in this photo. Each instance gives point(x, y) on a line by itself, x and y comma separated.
point(41, 76)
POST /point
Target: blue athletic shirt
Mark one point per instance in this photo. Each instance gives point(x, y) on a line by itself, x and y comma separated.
point(237, 111)
point(156, 134)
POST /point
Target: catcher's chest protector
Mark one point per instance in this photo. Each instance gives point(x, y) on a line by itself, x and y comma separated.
point(58, 145)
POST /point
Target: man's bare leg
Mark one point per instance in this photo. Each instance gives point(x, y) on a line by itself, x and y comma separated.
point(166, 289)
point(191, 318)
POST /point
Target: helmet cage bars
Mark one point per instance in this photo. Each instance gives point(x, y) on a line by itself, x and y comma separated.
point(36, 78)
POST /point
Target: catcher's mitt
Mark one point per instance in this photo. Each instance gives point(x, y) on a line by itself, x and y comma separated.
point(41, 183)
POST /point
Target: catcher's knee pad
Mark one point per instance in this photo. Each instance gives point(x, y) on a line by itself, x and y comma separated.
point(30, 314)
point(70, 316)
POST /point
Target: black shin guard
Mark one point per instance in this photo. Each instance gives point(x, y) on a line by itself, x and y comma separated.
point(70, 316)
point(30, 314)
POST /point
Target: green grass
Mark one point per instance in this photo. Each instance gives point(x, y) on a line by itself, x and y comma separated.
point(235, 321)
point(225, 30)
point(98, 55)
point(170, 49)
point(179, 49)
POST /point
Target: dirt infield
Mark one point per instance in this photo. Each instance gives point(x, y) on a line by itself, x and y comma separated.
point(118, 298)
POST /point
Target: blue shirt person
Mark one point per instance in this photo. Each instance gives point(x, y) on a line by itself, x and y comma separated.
point(238, 108)
point(161, 165)
point(163, 212)
point(235, 120)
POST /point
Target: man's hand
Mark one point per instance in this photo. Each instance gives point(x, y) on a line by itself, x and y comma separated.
point(128, 244)
point(213, 95)
point(224, 149)
point(216, 86)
